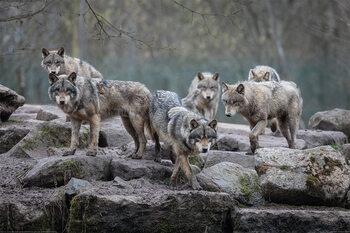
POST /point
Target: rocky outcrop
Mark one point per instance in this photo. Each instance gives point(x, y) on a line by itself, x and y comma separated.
point(216, 156)
point(9, 102)
point(318, 176)
point(150, 210)
point(285, 219)
point(332, 120)
point(57, 171)
point(241, 183)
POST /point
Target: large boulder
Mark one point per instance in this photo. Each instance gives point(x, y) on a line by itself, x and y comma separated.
point(9, 102)
point(332, 120)
point(317, 176)
point(10, 136)
point(277, 219)
point(217, 156)
point(241, 183)
point(129, 169)
point(154, 210)
point(57, 171)
point(315, 138)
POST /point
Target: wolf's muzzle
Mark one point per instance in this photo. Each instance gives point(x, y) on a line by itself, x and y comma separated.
point(228, 114)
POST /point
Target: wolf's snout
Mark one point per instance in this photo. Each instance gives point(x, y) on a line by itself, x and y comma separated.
point(204, 150)
point(228, 114)
point(62, 102)
point(208, 97)
point(53, 71)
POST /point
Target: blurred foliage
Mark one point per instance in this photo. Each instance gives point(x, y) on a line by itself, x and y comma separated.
point(164, 43)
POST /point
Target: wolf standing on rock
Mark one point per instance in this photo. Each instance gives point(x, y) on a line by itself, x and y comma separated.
point(80, 98)
point(187, 132)
point(56, 62)
point(260, 101)
point(203, 95)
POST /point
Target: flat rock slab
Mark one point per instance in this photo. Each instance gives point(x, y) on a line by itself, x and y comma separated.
point(317, 176)
point(57, 171)
point(266, 219)
point(241, 183)
point(334, 120)
point(216, 156)
point(150, 210)
point(129, 169)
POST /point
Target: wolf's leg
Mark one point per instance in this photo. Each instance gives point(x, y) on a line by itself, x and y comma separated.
point(175, 172)
point(273, 125)
point(283, 126)
point(74, 142)
point(139, 125)
point(128, 126)
point(158, 158)
point(94, 133)
point(184, 164)
point(293, 128)
point(254, 134)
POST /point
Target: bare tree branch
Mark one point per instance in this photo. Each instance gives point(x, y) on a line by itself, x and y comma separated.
point(27, 14)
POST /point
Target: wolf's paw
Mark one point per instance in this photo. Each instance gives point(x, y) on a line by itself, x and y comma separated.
point(250, 152)
point(91, 153)
point(158, 160)
point(69, 152)
point(136, 156)
point(196, 186)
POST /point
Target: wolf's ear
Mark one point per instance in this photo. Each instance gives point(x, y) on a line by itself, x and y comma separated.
point(193, 124)
point(224, 87)
point(240, 89)
point(213, 124)
point(267, 76)
point(52, 78)
point(45, 52)
point(72, 77)
point(200, 76)
point(252, 72)
point(216, 76)
point(61, 52)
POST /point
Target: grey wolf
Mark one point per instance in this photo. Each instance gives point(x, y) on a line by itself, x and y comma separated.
point(80, 98)
point(260, 101)
point(57, 62)
point(203, 95)
point(185, 131)
point(263, 73)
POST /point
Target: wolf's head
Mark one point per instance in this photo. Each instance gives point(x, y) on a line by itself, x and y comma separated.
point(233, 98)
point(202, 134)
point(62, 89)
point(261, 76)
point(53, 61)
point(208, 85)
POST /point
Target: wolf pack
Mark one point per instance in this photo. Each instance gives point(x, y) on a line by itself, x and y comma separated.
point(186, 125)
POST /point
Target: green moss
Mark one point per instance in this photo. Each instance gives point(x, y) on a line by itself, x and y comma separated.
point(196, 160)
point(164, 227)
point(284, 167)
point(312, 181)
point(312, 159)
point(335, 146)
point(246, 187)
point(72, 167)
point(29, 144)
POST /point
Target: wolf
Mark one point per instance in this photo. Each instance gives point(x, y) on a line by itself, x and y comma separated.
point(80, 98)
point(263, 73)
point(203, 95)
point(56, 62)
point(260, 101)
point(185, 131)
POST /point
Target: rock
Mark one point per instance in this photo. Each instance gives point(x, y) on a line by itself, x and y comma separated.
point(76, 186)
point(57, 171)
point(318, 176)
point(44, 136)
point(120, 183)
point(43, 115)
point(315, 138)
point(241, 183)
point(264, 219)
point(33, 210)
point(226, 143)
point(347, 201)
point(345, 150)
point(9, 102)
point(216, 156)
point(114, 132)
point(10, 136)
point(129, 169)
point(196, 160)
point(151, 211)
point(332, 120)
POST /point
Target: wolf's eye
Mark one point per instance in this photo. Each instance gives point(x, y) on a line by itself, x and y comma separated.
point(48, 62)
